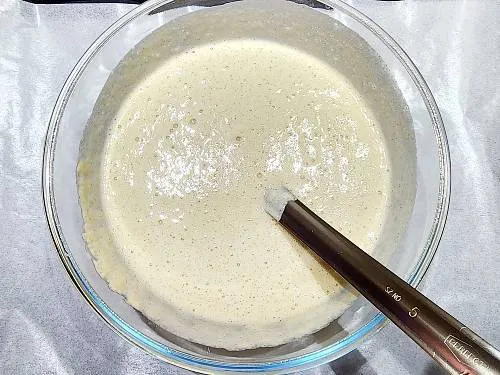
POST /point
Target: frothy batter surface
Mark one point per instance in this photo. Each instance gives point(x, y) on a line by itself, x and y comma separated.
point(173, 202)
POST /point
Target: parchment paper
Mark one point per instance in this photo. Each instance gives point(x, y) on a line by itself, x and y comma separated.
point(45, 325)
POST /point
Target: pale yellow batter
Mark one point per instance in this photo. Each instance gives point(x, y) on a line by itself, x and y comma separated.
point(173, 201)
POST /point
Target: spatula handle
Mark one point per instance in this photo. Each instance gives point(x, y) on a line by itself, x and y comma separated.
point(455, 347)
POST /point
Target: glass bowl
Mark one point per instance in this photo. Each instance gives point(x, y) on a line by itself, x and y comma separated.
point(410, 260)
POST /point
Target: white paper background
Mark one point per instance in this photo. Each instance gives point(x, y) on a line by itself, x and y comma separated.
point(47, 328)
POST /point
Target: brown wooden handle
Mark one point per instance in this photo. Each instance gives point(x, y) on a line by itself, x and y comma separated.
point(449, 342)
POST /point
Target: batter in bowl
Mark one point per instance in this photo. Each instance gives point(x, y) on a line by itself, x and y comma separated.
point(172, 193)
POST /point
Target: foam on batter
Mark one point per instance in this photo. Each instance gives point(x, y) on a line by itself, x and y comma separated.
point(171, 189)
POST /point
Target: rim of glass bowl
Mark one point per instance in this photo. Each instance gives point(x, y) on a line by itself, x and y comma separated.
point(189, 361)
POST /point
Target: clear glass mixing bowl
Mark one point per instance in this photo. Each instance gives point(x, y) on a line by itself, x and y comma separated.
point(410, 260)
